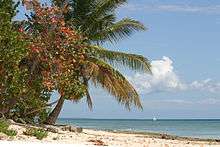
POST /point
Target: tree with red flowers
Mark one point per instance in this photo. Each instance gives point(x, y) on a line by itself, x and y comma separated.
point(66, 60)
point(56, 53)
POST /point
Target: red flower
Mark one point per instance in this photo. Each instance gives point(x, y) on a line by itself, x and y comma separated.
point(21, 30)
point(35, 49)
point(53, 20)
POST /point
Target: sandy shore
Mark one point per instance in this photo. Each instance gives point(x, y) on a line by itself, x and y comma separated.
point(104, 138)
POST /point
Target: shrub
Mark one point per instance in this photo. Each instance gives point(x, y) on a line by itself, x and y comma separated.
point(10, 132)
point(21, 90)
point(38, 133)
point(4, 128)
point(3, 125)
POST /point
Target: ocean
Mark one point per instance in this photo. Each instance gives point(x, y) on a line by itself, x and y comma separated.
point(197, 128)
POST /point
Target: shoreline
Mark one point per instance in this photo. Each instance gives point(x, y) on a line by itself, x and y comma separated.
point(158, 135)
point(166, 136)
point(91, 137)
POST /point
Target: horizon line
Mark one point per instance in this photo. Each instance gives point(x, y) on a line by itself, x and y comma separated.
point(144, 118)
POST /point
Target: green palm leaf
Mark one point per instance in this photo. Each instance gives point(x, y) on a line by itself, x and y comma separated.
point(96, 19)
point(102, 74)
point(119, 30)
point(133, 61)
point(88, 97)
point(106, 6)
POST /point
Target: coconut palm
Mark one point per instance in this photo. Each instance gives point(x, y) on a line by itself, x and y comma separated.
point(98, 70)
point(96, 20)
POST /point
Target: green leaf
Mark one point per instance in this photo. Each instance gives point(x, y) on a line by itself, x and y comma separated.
point(133, 61)
point(102, 74)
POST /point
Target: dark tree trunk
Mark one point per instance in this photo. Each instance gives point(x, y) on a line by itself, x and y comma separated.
point(51, 120)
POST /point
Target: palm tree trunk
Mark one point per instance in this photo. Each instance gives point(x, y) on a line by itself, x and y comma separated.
point(51, 120)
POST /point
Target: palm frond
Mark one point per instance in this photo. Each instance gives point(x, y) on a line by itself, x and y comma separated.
point(79, 12)
point(96, 26)
point(119, 30)
point(96, 19)
point(102, 74)
point(88, 97)
point(133, 61)
point(105, 6)
point(81, 8)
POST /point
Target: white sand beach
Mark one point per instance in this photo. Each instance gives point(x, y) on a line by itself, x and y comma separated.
point(101, 138)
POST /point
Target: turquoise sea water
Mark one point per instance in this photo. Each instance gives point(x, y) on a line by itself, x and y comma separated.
point(189, 128)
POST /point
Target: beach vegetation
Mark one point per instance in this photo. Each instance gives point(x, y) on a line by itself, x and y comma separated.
point(4, 128)
point(20, 93)
point(96, 19)
point(37, 132)
point(97, 23)
point(59, 48)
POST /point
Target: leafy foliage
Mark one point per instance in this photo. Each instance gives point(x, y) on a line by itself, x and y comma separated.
point(54, 50)
point(38, 133)
point(96, 19)
point(12, 49)
point(133, 61)
point(114, 82)
point(4, 125)
point(18, 93)
point(57, 51)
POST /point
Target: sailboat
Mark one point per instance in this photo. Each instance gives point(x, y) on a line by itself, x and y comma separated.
point(154, 119)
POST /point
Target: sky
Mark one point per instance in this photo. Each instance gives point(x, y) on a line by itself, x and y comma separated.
point(182, 43)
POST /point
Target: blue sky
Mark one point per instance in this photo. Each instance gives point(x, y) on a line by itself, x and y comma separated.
point(183, 44)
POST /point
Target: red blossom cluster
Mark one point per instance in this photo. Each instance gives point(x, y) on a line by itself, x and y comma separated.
point(56, 48)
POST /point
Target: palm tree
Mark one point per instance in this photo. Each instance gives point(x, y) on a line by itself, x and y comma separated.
point(102, 74)
point(96, 20)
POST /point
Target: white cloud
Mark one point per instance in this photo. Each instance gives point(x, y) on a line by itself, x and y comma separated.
point(209, 101)
point(207, 85)
point(177, 101)
point(164, 78)
point(174, 8)
point(198, 101)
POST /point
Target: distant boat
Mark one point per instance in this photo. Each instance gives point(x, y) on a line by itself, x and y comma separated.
point(154, 119)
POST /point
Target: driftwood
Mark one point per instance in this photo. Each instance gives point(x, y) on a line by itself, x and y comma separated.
point(98, 142)
point(72, 129)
